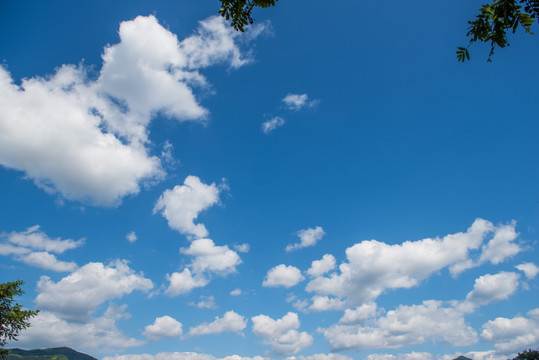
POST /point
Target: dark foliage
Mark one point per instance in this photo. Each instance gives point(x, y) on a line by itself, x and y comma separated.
point(527, 355)
point(240, 11)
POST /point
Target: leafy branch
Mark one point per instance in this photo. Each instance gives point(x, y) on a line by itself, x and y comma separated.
point(495, 20)
point(240, 11)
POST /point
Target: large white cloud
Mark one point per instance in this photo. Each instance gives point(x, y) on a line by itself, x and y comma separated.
point(182, 205)
point(492, 288)
point(99, 334)
point(76, 296)
point(163, 327)
point(374, 267)
point(183, 282)
point(406, 325)
point(282, 275)
point(308, 237)
point(44, 260)
point(281, 334)
point(512, 335)
point(87, 139)
point(230, 322)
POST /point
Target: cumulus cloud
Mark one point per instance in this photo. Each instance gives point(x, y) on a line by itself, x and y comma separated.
point(374, 267)
point(529, 269)
point(492, 288)
point(308, 237)
point(322, 266)
point(298, 101)
point(182, 205)
point(23, 245)
point(76, 296)
point(325, 303)
point(281, 334)
point(209, 257)
point(359, 314)
point(282, 275)
point(404, 326)
point(180, 356)
point(410, 356)
point(272, 124)
point(163, 327)
point(183, 282)
point(512, 335)
point(99, 334)
point(230, 322)
point(321, 357)
point(87, 139)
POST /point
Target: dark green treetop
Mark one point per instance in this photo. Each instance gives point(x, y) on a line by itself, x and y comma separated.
point(13, 318)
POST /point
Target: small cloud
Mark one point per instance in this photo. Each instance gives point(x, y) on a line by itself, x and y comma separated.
point(163, 327)
point(206, 302)
point(230, 322)
point(274, 123)
point(282, 275)
point(131, 237)
point(529, 269)
point(235, 292)
point(242, 248)
point(308, 237)
point(298, 101)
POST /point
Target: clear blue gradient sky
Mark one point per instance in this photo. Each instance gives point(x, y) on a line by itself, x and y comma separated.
point(330, 185)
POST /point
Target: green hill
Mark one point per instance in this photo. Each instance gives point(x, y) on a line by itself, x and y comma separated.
point(61, 353)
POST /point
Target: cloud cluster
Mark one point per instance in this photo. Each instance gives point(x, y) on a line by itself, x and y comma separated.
point(281, 334)
point(492, 288)
point(34, 247)
point(88, 139)
point(99, 334)
point(76, 296)
point(180, 356)
point(373, 267)
point(512, 335)
point(230, 322)
point(308, 237)
point(406, 325)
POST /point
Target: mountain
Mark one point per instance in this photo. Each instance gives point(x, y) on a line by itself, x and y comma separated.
point(61, 353)
point(462, 358)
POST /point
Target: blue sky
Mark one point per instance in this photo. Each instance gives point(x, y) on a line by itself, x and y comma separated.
point(330, 185)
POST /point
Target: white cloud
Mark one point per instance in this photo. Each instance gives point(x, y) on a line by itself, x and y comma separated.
point(374, 267)
point(180, 356)
point(281, 334)
point(88, 139)
point(501, 245)
point(76, 296)
point(243, 248)
point(163, 327)
point(321, 357)
point(44, 260)
point(529, 269)
point(308, 237)
point(322, 266)
point(131, 237)
point(34, 238)
point(182, 205)
point(183, 282)
point(206, 302)
point(325, 303)
point(359, 314)
point(407, 325)
point(282, 275)
point(100, 334)
point(272, 124)
point(230, 322)
point(511, 335)
point(211, 258)
point(410, 356)
point(298, 101)
point(492, 288)
point(235, 292)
